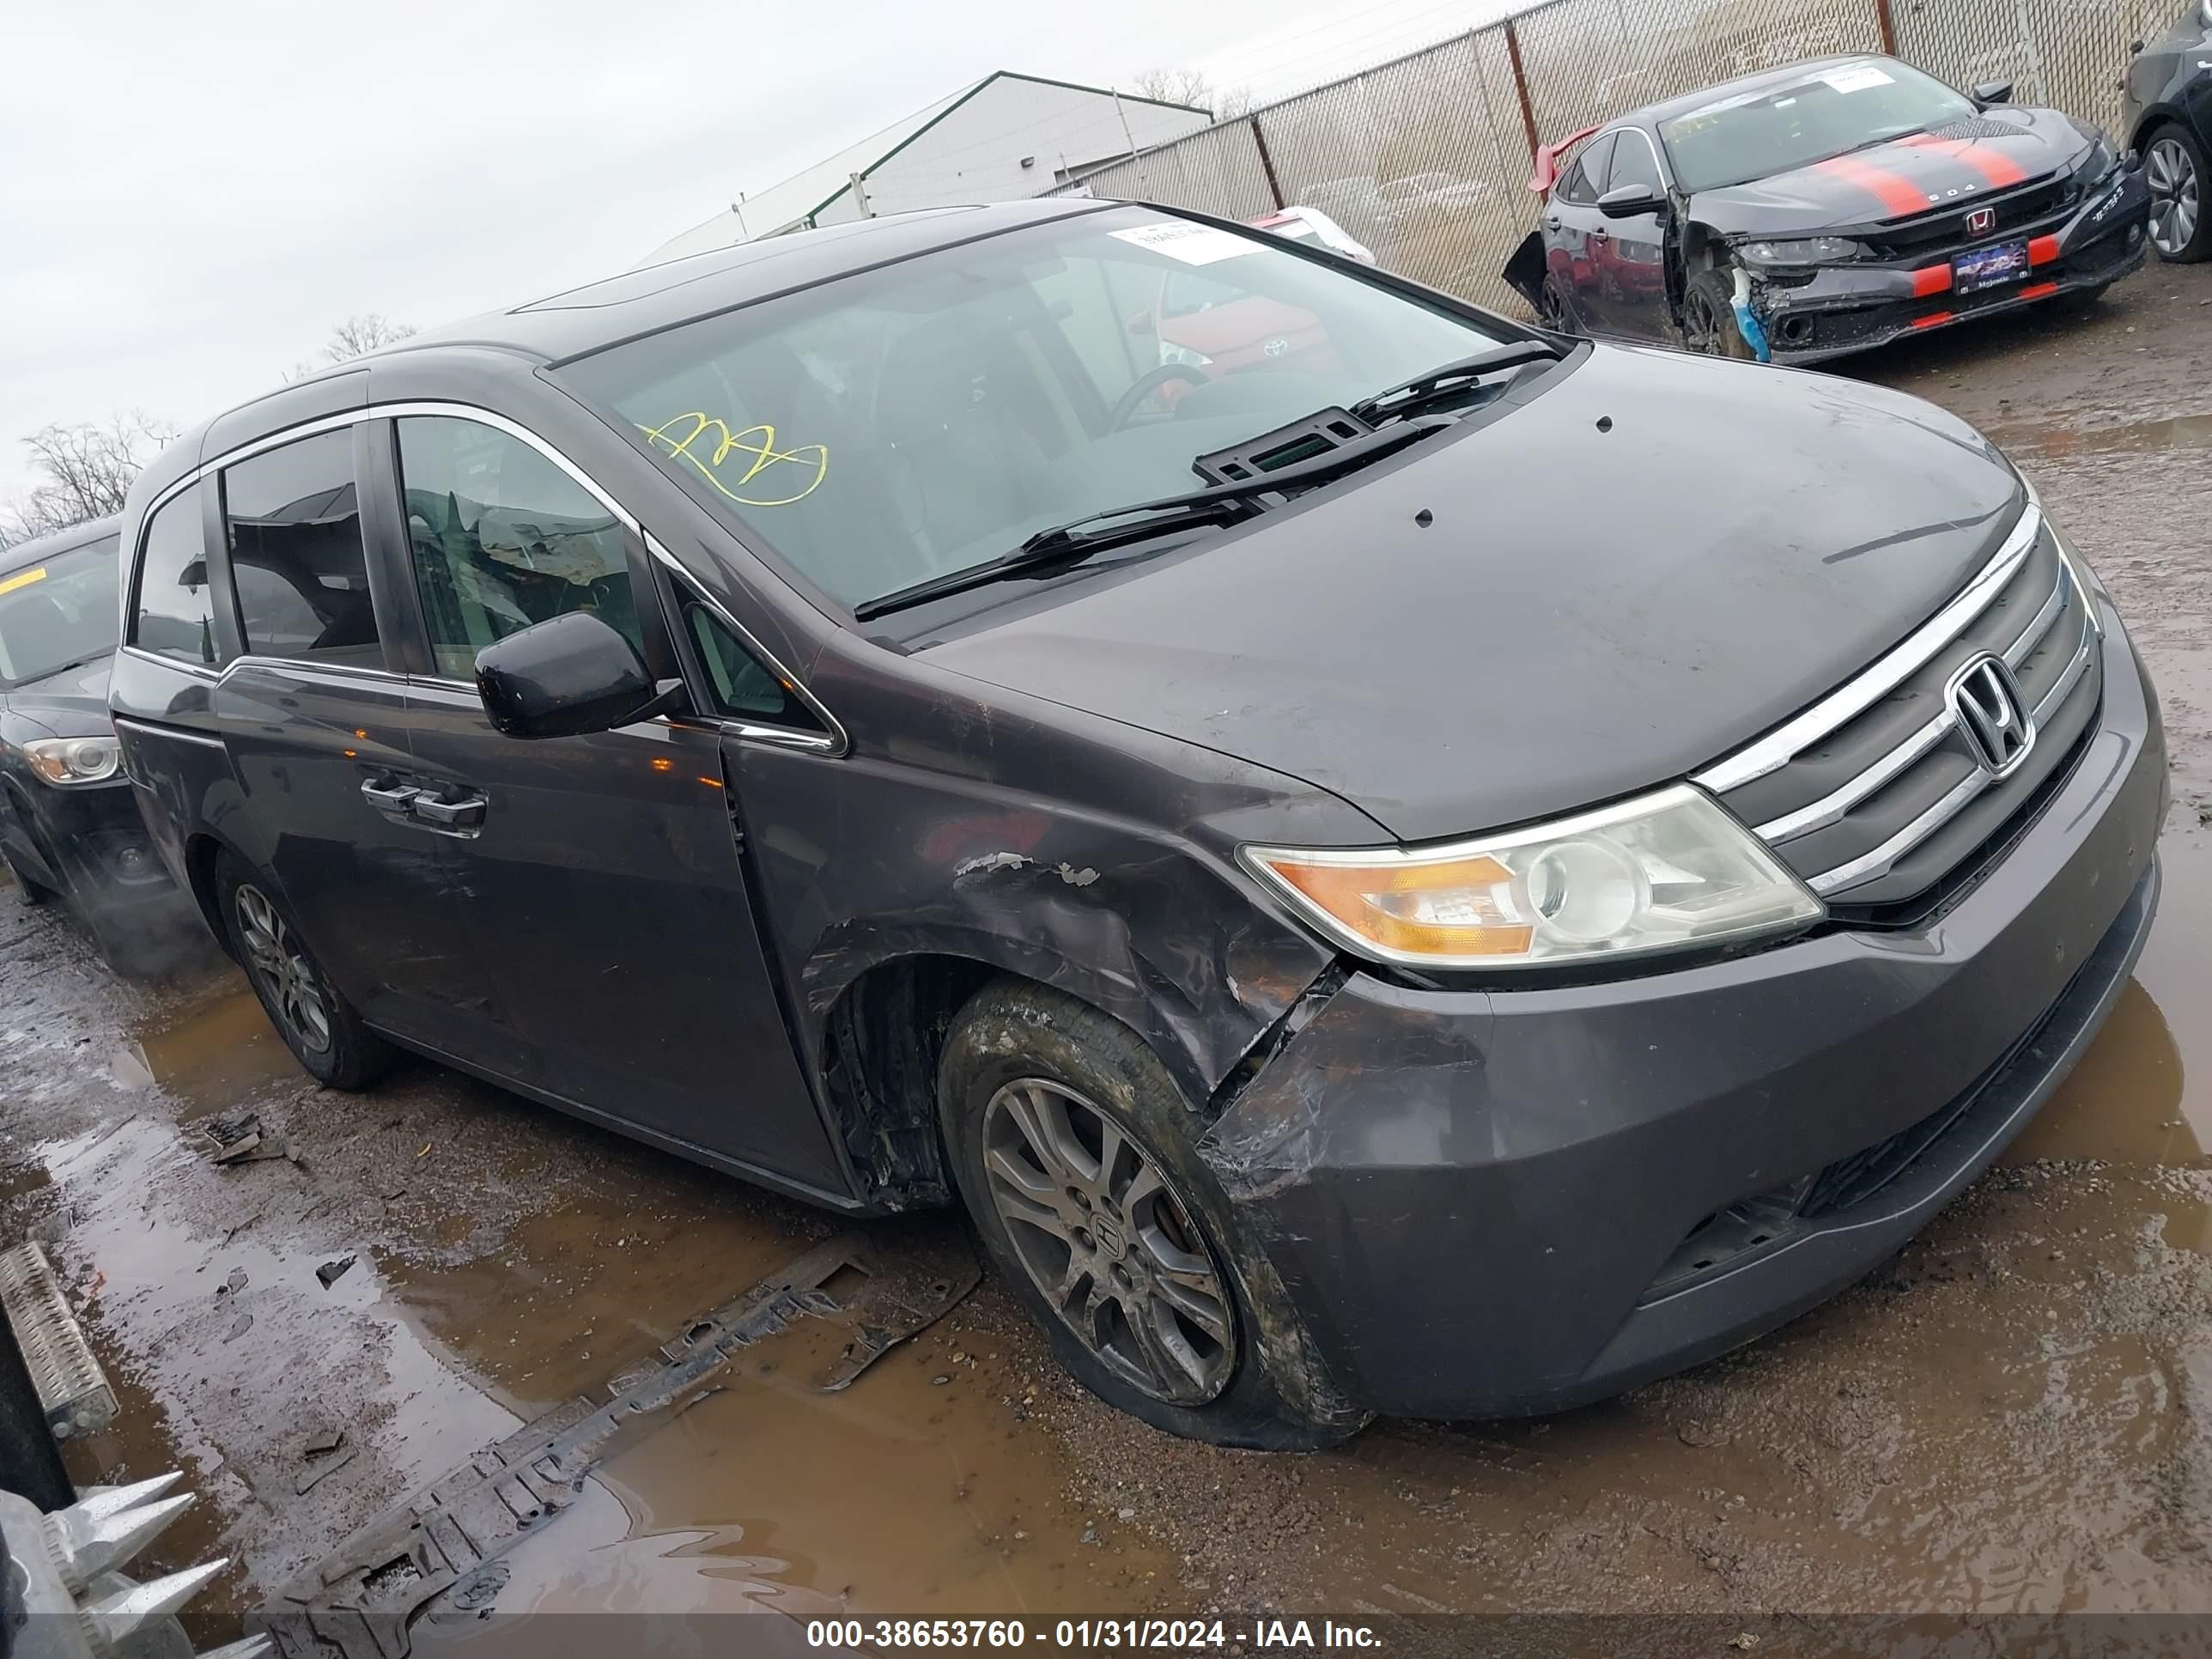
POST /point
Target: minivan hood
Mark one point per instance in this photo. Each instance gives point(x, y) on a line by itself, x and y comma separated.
point(1655, 559)
point(72, 703)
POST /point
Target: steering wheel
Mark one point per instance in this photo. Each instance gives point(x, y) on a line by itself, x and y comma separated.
point(1143, 387)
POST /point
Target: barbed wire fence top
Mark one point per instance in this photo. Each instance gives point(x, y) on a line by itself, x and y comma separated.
point(1427, 158)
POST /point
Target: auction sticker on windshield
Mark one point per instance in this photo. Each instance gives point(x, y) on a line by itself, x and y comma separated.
point(1194, 245)
point(1861, 79)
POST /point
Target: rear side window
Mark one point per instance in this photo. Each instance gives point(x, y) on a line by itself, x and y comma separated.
point(1634, 163)
point(172, 614)
point(501, 538)
point(296, 560)
point(1579, 185)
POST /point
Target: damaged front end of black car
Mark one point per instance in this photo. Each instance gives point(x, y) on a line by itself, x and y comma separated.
point(1803, 213)
point(1856, 286)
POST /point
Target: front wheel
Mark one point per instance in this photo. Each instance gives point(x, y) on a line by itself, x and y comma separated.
point(319, 1025)
point(2175, 168)
point(1709, 325)
point(29, 889)
point(1078, 1159)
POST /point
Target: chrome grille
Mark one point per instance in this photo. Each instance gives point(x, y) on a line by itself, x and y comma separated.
point(1873, 794)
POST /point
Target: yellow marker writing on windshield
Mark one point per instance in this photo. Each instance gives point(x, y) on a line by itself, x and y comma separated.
point(810, 462)
point(22, 579)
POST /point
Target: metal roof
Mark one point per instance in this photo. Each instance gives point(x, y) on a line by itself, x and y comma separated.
point(792, 202)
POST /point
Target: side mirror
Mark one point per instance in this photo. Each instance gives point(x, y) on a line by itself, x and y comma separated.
point(2134, 49)
point(567, 675)
point(1993, 92)
point(1629, 201)
point(1142, 323)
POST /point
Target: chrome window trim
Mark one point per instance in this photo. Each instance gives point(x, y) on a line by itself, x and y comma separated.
point(1830, 807)
point(1853, 698)
point(1883, 859)
point(156, 728)
point(838, 742)
point(255, 659)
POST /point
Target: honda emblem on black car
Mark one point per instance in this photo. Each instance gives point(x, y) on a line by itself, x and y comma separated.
point(1981, 221)
point(1985, 700)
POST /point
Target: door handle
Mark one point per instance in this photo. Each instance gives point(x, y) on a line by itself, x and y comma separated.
point(466, 813)
point(390, 799)
point(1601, 234)
point(1551, 223)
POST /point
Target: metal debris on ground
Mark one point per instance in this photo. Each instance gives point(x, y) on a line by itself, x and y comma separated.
point(73, 1389)
point(330, 1272)
point(240, 1137)
point(444, 1542)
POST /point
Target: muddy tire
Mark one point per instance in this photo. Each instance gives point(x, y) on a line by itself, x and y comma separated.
point(319, 1026)
point(29, 889)
point(1078, 1158)
point(1709, 325)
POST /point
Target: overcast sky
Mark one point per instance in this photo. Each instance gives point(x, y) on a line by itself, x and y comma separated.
point(192, 195)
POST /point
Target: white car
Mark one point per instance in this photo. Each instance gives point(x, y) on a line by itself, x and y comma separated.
point(1308, 224)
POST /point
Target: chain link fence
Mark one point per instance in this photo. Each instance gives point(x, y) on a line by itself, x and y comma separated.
point(1426, 159)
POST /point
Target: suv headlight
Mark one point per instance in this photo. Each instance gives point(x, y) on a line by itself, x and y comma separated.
point(1660, 872)
point(74, 760)
point(1807, 250)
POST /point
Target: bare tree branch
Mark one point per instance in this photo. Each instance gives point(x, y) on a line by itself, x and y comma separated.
point(1194, 86)
point(86, 469)
point(369, 332)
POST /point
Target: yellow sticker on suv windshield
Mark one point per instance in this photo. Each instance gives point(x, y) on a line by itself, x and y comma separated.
point(22, 579)
point(782, 476)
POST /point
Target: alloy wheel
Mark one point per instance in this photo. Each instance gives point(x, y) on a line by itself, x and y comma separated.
point(1110, 1242)
point(1705, 330)
point(2175, 195)
point(273, 955)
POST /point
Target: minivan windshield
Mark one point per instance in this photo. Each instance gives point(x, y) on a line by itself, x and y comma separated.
point(57, 613)
point(899, 424)
point(1828, 111)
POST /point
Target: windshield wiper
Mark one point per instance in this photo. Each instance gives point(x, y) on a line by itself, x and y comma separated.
point(1875, 143)
point(1433, 383)
point(74, 662)
point(1066, 544)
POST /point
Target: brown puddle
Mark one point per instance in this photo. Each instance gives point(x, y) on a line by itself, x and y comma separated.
point(2057, 442)
point(902, 1494)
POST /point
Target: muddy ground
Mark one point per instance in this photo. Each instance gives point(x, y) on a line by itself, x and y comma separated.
point(2014, 1414)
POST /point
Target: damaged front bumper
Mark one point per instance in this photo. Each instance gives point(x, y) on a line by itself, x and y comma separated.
point(1496, 1203)
point(1833, 310)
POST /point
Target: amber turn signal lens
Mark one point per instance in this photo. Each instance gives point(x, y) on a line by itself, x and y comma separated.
point(1462, 908)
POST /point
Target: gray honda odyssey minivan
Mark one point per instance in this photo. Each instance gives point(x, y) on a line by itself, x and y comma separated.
point(1394, 862)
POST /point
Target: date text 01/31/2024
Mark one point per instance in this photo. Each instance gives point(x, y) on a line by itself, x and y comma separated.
point(1092, 1635)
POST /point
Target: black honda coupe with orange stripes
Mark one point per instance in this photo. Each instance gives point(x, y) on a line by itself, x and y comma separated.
point(1799, 214)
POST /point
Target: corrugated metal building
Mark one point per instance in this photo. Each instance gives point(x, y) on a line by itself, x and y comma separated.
point(1001, 138)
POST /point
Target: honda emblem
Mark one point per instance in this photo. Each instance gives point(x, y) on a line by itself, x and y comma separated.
point(1985, 701)
point(1981, 221)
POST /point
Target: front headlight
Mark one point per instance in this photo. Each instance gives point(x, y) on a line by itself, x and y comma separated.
point(1808, 250)
point(74, 760)
point(1660, 872)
